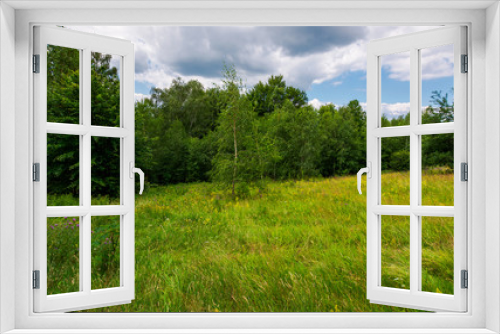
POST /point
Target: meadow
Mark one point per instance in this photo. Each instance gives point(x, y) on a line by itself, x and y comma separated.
point(298, 246)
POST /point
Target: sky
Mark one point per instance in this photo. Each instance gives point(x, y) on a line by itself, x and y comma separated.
point(328, 62)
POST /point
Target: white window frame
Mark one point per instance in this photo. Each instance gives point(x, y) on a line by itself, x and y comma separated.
point(414, 297)
point(86, 297)
point(483, 211)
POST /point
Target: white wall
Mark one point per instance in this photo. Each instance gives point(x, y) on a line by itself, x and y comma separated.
point(492, 64)
point(7, 163)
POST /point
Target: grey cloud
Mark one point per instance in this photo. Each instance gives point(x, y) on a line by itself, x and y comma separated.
point(202, 50)
point(304, 55)
point(308, 40)
point(141, 60)
point(200, 67)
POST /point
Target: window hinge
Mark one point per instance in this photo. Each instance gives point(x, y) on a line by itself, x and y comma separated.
point(36, 172)
point(465, 64)
point(465, 279)
point(36, 63)
point(464, 172)
point(36, 279)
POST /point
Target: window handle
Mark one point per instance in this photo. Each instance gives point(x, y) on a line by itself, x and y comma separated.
point(368, 171)
point(134, 170)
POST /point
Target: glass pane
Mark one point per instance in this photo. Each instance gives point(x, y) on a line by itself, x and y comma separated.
point(105, 171)
point(437, 169)
point(437, 254)
point(395, 175)
point(396, 251)
point(63, 170)
point(437, 84)
point(63, 255)
point(105, 252)
point(63, 85)
point(105, 89)
point(395, 89)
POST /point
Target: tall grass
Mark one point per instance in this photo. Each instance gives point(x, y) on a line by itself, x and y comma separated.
point(300, 246)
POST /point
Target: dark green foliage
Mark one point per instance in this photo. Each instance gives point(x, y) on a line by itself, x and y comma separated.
point(63, 83)
point(267, 97)
point(400, 160)
point(297, 134)
point(63, 165)
point(105, 91)
point(199, 159)
point(437, 150)
point(343, 139)
point(63, 106)
point(396, 153)
point(105, 167)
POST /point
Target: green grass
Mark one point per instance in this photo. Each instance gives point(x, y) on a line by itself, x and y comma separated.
point(300, 246)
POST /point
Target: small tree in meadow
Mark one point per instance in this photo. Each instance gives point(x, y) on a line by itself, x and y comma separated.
point(235, 161)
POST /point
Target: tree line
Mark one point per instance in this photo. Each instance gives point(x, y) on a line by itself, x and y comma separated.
point(234, 136)
point(228, 134)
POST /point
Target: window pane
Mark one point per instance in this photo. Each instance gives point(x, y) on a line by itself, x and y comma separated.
point(395, 89)
point(105, 252)
point(63, 170)
point(437, 169)
point(105, 89)
point(395, 175)
point(437, 254)
point(63, 255)
point(437, 84)
point(105, 171)
point(63, 85)
point(396, 251)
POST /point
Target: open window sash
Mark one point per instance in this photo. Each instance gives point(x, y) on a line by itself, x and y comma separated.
point(414, 297)
point(85, 296)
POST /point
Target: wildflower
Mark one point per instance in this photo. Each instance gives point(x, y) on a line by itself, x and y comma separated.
point(74, 219)
point(52, 227)
point(56, 224)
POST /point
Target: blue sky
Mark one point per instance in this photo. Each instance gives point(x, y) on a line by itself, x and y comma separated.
point(329, 63)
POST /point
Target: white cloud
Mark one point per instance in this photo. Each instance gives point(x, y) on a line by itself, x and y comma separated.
point(140, 97)
point(396, 66)
point(391, 110)
point(317, 103)
point(437, 62)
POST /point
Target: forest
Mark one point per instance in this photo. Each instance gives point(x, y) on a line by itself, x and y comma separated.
point(231, 135)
